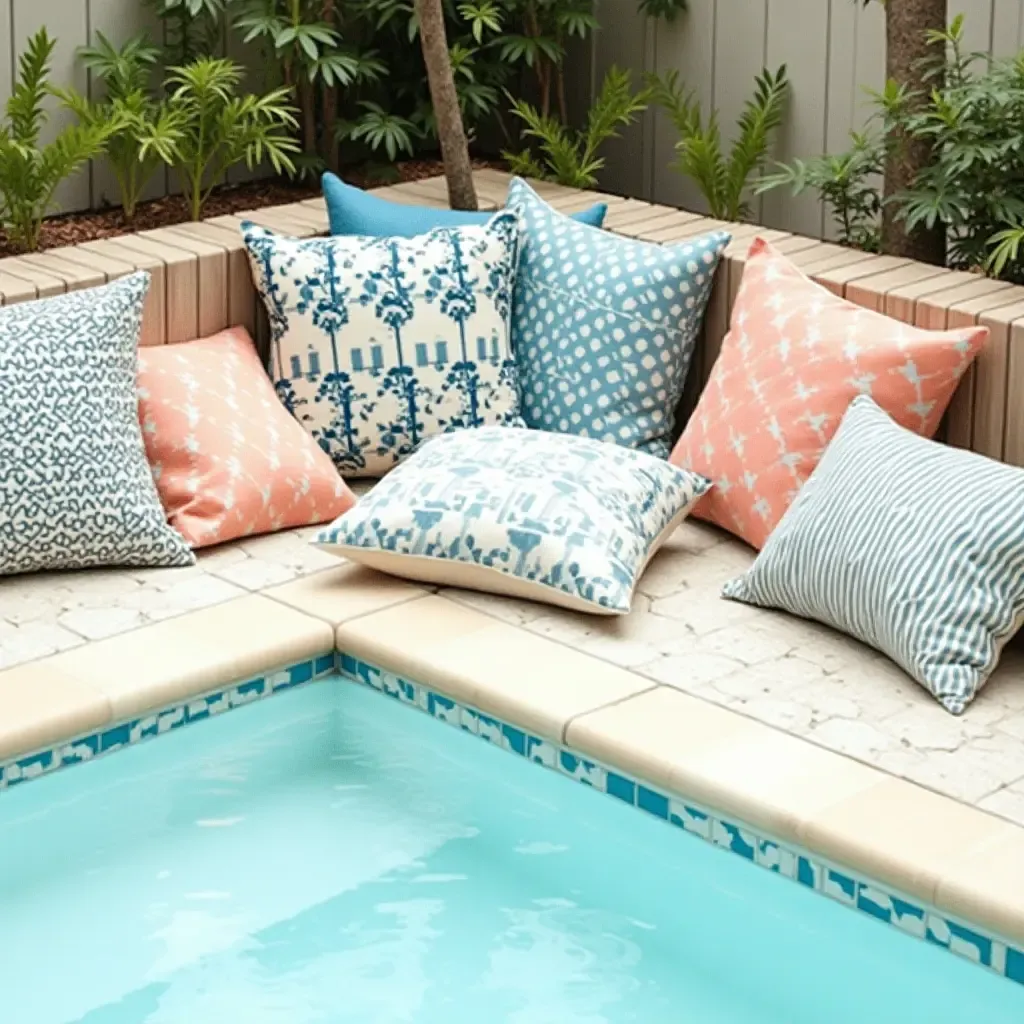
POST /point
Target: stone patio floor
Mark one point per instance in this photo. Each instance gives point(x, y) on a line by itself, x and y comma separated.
point(791, 674)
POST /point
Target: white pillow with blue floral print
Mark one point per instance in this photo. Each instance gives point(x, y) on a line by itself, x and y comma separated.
point(564, 520)
point(380, 343)
point(604, 327)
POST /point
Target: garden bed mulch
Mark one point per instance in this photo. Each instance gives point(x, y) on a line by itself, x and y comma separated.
point(75, 228)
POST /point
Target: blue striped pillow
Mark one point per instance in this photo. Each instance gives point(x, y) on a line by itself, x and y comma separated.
point(912, 547)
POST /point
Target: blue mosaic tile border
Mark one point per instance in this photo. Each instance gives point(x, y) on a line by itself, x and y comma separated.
point(858, 893)
point(114, 737)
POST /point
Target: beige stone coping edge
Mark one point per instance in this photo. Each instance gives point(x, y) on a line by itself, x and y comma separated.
point(920, 861)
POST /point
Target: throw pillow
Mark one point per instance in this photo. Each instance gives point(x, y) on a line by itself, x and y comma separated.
point(351, 211)
point(604, 327)
point(75, 488)
point(910, 546)
point(227, 458)
point(380, 343)
point(794, 358)
point(564, 520)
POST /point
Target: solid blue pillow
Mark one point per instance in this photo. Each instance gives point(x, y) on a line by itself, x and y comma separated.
point(351, 211)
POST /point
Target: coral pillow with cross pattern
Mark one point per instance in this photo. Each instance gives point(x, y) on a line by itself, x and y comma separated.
point(795, 356)
point(227, 458)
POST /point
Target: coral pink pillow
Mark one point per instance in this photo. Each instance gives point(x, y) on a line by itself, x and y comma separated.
point(227, 458)
point(793, 360)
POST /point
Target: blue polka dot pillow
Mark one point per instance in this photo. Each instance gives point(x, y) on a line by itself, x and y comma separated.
point(910, 546)
point(604, 327)
point(380, 343)
point(564, 520)
point(76, 490)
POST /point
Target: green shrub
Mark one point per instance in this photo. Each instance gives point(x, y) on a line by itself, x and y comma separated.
point(975, 183)
point(304, 39)
point(848, 185)
point(570, 156)
point(30, 171)
point(667, 10)
point(723, 179)
point(973, 121)
point(220, 128)
point(143, 130)
point(192, 28)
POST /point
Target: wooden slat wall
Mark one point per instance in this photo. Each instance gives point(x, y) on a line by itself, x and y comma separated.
point(201, 283)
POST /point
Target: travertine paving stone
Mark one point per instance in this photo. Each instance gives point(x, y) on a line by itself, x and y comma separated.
point(791, 674)
point(797, 676)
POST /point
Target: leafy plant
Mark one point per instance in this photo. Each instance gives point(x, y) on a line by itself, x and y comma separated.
point(668, 10)
point(220, 128)
point(547, 27)
point(473, 28)
point(142, 131)
point(974, 184)
point(497, 46)
point(973, 124)
point(849, 185)
point(568, 155)
point(30, 171)
point(380, 129)
point(192, 28)
point(303, 38)
point(723, 178)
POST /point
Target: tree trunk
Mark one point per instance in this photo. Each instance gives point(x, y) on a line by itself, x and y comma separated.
point(329, 110)
point(908, 56)
point(451, 132)
point(307, 108)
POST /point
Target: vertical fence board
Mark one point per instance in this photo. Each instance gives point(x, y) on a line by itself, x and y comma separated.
point(6, 47)
point(119, 20)
point(622, 41)
point(1006, 26)
point(688, 46)
point(795, 31)
point(977, 23)
point(67, 22)
point(844, 93)
point(739, 58)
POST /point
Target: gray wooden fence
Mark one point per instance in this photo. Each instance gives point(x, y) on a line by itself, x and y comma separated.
point(832, 49)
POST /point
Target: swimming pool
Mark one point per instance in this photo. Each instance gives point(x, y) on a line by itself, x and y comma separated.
point(328, 855)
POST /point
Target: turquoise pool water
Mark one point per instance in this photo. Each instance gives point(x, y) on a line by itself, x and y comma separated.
point(328, 855)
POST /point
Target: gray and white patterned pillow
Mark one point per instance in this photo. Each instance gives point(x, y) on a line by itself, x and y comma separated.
point(76, 490)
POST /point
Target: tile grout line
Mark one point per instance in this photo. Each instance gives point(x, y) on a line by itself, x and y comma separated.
point(601, 707)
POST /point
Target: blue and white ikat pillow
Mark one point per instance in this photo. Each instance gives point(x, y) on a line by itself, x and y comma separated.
point(911, 546)
point(564, 520)
point(76, 491)
point(378, 344)
point(604, 327)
